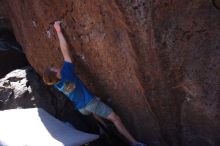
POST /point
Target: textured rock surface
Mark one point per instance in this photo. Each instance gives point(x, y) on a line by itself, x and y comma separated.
point(156, 62)
point(22, 88)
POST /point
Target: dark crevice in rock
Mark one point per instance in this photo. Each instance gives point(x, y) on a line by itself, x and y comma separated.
point(11, 55)
point(216, 3)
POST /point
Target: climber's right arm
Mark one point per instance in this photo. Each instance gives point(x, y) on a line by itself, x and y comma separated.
point(63, 44)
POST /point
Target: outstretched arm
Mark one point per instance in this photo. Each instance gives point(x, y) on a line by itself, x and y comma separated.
point(63, 44)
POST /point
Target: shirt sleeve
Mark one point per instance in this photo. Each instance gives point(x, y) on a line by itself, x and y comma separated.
point(68, 71)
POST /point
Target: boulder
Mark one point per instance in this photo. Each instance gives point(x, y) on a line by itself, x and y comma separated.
point(155, 62)
point(22, 88)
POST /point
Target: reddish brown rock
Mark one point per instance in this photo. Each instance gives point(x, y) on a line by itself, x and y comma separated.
point(156, 62)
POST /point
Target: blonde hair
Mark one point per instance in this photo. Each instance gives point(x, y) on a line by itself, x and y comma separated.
point(49, 77)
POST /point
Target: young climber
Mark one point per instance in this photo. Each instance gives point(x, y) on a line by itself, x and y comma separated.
point(66, 81)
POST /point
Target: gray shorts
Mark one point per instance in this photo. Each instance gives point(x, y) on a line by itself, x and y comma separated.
point(96, 106)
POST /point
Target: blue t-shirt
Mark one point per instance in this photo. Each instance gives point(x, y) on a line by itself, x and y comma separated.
point(80, 95)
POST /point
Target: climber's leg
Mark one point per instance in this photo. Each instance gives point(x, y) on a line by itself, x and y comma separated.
point(100, 109)
point(115, 119)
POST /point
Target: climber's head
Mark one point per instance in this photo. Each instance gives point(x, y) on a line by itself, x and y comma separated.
point(51, 76)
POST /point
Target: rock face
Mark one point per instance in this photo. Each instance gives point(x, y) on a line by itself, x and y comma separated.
point(155, 62)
